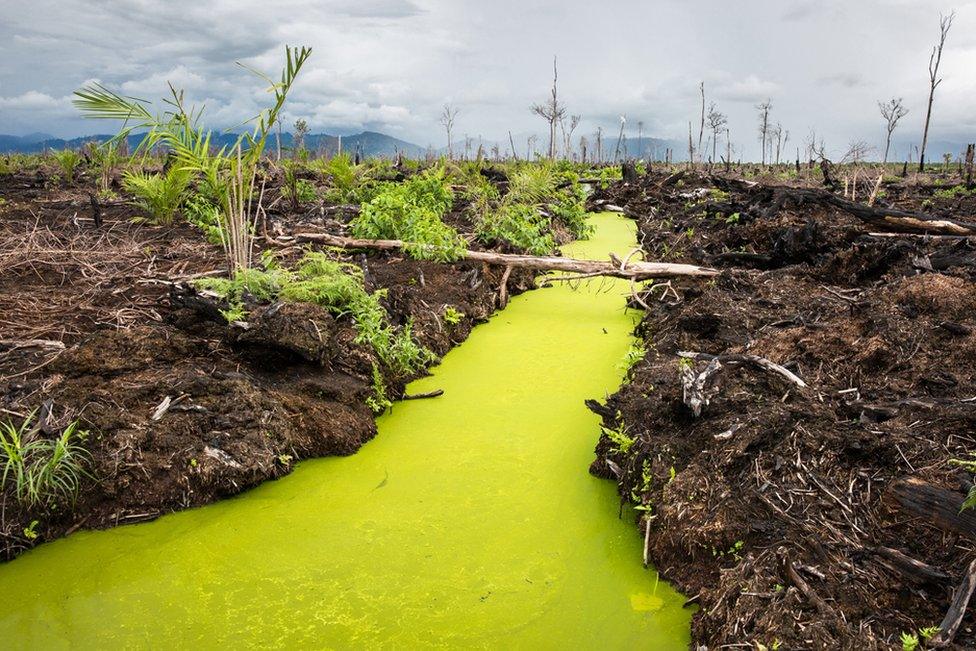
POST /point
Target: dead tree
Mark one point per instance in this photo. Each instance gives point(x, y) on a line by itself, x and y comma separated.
point(301, 130)
point(701, 128)
point(640, 139)
point(551, 111)
point(599, 144)
point(764, 109)
point(574, 121)
point(775, 137)
point(892, 111)
point(511, 141)
point(716, 120)
point(945, 22)
point(447, 121)
point(970, 152)
point(620, 138)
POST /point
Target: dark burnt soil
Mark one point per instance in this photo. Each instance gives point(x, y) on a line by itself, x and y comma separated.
point(772, 476)
point(95, 327)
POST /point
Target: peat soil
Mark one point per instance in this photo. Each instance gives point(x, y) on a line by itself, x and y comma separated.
point(98, 324)
point(786, 513)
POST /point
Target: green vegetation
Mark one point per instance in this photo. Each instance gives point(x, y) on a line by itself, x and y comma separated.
point(452, 315)
point(42, 472)
point(969, 465)
point(618, 436)
point(160, 195)
point(411, 211)
point(337, 286)
point(538, 196)
point(953, 192)
point(229, 176)
point(68, 161)
point(520, 225)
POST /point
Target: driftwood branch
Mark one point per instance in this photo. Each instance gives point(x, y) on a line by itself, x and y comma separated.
point(633, 270)
point(753, 360)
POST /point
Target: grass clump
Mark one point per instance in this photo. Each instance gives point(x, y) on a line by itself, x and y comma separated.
point(411, 211)
point(160, 195)
point(42, 472)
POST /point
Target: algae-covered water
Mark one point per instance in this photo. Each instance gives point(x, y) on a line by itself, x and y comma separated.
point(469, 522)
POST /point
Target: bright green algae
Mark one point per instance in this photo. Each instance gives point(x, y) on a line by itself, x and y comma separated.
point(469, 522)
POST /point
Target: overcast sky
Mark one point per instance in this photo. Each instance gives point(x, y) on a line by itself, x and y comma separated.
point(390, 65)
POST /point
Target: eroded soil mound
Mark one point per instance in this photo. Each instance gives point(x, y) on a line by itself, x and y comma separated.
point(790, 514)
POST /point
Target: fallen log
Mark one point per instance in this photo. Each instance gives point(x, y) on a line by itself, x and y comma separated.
point(941, 506)
point(957, 609)
point(630, 270)
point(909, 567)
point(890, 218)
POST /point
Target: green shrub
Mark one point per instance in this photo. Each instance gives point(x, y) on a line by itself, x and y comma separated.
point(158, 194)
point(411, 211)
point(520, 225)
point(43, 472)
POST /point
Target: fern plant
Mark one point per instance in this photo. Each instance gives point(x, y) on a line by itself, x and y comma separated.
point(160, 195)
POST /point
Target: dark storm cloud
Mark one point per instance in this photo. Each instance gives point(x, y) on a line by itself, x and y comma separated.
point(390, 65)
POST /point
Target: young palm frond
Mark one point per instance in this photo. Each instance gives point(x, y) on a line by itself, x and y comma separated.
point(68, 161)
point(229, 176)
point(42, 472)
point(159, 194)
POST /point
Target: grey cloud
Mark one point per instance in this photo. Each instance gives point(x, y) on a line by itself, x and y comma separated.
point(390, 65)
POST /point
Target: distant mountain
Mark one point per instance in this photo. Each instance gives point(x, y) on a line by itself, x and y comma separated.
point(368, 144)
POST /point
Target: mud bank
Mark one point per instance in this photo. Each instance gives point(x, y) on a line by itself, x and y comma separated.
point(786, 511)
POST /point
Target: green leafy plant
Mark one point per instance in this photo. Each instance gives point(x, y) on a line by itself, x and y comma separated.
point(635, 354)
point(68, 161)
point(929, 632)
point(452, 315)
point(377, 400)
point(337, 286)
point(411, 211)
point(520, 225)
point(969, 465)
point(43, 472)
point(160, 195)
point(343, 176)
point(909, 641)
point(618, 436)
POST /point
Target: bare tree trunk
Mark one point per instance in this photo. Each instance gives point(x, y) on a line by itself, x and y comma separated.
point(701, 129)
point(511, 141)
point(935, 59)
